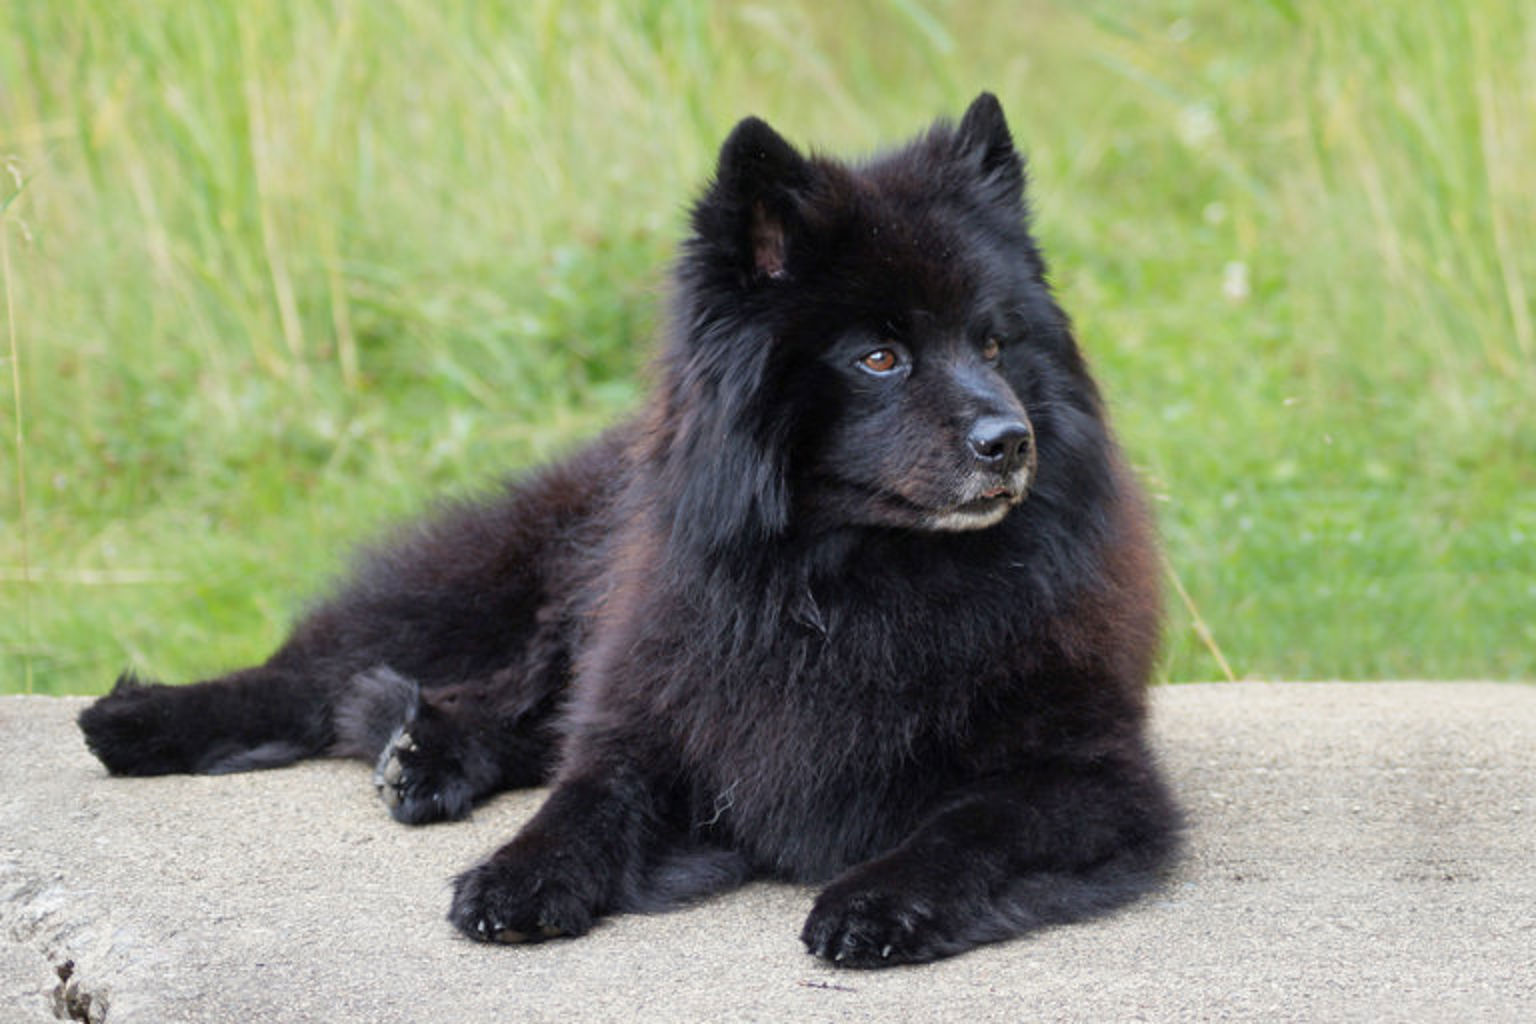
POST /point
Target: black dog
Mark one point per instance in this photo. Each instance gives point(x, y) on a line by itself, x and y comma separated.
point(865, 595)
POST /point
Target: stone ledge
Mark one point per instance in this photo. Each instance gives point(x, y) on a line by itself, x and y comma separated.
point(1359, 852)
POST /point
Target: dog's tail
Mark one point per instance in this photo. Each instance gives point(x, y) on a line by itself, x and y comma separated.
point(258, 717)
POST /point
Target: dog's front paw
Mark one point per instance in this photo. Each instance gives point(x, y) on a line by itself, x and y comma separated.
point(871, 926)
point(419, 784)
point(513, 899)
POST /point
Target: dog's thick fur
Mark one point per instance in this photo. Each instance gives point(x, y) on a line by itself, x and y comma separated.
point(864, 596)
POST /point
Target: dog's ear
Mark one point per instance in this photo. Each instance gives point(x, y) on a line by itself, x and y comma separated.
point(984, 146)
point(725, 450)
point(751, 210)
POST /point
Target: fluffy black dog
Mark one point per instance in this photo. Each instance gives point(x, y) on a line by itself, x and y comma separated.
point(864, 596)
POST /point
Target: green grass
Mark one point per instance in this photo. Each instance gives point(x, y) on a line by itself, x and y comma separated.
point(275, 275)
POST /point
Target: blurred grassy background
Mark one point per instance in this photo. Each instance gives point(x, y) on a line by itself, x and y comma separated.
point(275, 274)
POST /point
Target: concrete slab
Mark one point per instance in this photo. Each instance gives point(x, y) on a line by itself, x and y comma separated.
point(1360, 852)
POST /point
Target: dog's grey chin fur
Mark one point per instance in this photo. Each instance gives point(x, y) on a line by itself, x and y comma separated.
point(958, 520)
point(961, 518)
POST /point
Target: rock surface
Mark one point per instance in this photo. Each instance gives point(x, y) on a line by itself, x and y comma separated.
point(1359, 852)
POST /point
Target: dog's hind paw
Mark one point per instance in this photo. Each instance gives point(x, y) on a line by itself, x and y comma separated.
point(133, 729)
point(417, 785)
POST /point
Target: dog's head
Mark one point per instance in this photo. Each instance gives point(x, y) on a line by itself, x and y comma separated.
point(868, 343)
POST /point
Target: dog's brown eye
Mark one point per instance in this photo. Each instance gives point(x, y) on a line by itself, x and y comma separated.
point(991, 349)
point(881, 360)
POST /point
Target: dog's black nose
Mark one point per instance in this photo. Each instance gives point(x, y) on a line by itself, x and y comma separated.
point(999, 442)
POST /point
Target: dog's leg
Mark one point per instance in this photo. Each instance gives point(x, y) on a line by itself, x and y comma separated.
point(1054, 846)
point(456, 744)
point(479, 591)
point(566, 868)
point(256, 718)
point(608, 839)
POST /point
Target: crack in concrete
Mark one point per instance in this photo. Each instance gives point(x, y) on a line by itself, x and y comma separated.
point(72, 1001)
point(31, 916)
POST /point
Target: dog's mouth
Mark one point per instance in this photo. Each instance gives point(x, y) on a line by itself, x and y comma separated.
point(986, 509)
point(1010, 490)
point(973, 505)
point(989, 501)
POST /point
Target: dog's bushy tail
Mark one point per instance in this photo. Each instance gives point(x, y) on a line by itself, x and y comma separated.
point(258, 717)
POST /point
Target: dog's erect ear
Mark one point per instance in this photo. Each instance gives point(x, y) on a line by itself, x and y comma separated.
point(985, 146)
point(752, 207)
